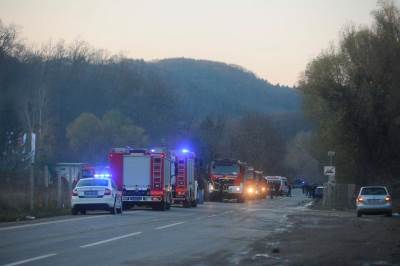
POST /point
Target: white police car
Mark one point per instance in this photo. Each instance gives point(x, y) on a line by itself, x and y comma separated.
point(96, 194)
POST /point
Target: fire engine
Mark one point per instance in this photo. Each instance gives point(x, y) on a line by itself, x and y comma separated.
point(143, 175)
point(226, 179)
point(184, 184)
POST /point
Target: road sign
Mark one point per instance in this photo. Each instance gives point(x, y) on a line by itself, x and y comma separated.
point(329, 170)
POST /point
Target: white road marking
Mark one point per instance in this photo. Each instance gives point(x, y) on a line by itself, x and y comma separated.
point(109, 240)
point(212, 215)
point(168, 225)
point(50, 222)
point(30, 260)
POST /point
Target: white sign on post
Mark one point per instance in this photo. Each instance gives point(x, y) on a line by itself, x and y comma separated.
point(329, 170)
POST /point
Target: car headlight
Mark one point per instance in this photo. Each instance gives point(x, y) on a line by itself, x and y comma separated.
point(263, 188)
point(250, 190)
point(238, 189)
point(211, 187)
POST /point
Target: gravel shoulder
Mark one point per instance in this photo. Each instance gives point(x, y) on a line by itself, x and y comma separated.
point(330, 238)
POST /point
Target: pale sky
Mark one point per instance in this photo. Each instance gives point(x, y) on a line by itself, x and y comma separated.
point(273, 38)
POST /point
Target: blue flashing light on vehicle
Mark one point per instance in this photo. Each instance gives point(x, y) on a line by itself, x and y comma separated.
point(103, 175)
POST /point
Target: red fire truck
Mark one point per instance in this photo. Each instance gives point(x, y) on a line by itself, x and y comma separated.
point(143, 175)
point(226, 179)
point(184, 184)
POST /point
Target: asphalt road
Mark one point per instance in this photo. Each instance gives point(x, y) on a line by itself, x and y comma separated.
point(211, 234)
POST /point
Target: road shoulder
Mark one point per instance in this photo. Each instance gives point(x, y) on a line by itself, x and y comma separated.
point(330, 238)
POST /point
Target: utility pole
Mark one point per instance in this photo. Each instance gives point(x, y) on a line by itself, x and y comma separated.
point(331, 154)
point(31, 187)
point(31, 173)
point(46, 186)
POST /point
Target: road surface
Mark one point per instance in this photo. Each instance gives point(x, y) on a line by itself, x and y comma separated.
point(281, 231)
point(212, 233)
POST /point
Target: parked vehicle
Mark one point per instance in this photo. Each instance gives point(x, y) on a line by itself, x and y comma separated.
point(251, 188)
point(262, 184)
point(184, 184)
point(144, 175)
point(279, 185)
point(226, 179)
point(374, 200)
point(319, 192)
point(96, 194)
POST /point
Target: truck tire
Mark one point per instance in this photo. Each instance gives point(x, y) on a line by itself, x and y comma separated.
point(163, 206)
point(240, 199)
point(186, 204)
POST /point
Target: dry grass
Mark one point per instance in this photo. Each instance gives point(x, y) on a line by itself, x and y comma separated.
point(14, 203)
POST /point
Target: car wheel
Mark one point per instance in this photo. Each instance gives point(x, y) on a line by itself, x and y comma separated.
point(359, 214)
point(74, 211)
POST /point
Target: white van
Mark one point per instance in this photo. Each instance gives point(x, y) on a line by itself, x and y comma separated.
point(281, 182)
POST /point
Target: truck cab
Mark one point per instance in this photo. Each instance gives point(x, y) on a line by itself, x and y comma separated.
point(226, 180)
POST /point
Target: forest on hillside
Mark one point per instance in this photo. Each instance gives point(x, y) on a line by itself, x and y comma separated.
point(82, 101)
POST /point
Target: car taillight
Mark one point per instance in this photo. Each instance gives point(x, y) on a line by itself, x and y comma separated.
point(74, 192)
point(360, 199)
point(388, 198)
point(107, 191)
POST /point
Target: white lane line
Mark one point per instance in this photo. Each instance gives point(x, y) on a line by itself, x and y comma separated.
point(109, 240)
point(168, 225)
point(213, 215)
point(51, 222)
point(30, 260)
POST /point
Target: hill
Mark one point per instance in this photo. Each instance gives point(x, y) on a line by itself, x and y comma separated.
point(208, 87)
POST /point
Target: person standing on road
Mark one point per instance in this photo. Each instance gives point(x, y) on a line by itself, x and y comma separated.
point(277, 189)
point(271, 190)
point(289, 193)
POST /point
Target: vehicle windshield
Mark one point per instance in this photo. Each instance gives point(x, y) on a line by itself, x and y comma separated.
point(92, 182)
point(373, 191)
point(225, 169)
point(249, 175)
